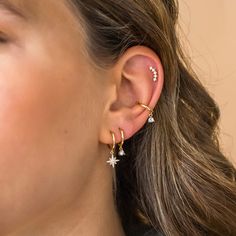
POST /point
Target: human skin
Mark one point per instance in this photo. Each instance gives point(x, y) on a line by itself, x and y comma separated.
point(56, 113)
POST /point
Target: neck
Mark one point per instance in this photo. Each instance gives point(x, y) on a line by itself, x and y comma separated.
point(92, 213)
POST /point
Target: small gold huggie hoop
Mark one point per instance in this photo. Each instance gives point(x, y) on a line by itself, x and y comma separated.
point(112, 160)
point(151, 118)
point(121, 150)
point(113, 145)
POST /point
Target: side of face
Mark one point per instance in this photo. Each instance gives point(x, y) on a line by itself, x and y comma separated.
point(45, 100)
point(57, 108)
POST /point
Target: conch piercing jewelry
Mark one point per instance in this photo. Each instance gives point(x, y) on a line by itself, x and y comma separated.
point(121, 150)
point(155, 74)
point(112, 160)
point(151, 118)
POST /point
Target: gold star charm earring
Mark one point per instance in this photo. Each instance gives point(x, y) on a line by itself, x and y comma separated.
point(151, 118)
point(121, 150)
point(112, 160)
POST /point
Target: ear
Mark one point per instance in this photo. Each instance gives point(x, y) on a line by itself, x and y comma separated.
point(132, 81)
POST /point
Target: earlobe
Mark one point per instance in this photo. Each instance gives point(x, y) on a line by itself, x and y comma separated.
point(139, 78)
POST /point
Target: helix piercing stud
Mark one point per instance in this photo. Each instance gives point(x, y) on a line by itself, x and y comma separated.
point(155, 74)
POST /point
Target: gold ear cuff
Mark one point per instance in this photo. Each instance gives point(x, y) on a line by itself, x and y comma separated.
point(151, 118)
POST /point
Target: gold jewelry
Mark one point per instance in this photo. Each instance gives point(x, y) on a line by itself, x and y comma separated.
point(155, 73)
point(121, 150)
point(151, 118)
point(112, 160)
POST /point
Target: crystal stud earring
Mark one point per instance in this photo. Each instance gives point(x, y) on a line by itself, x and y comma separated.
point(121, 150)
point(112, 160)
point(155, 74)
point(151, 118)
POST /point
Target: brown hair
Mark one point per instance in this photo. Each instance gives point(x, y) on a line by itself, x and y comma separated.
point(176, 178)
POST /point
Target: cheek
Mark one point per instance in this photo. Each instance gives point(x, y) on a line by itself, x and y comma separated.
point(40, 114)
point(33, 100)
point(47, 123)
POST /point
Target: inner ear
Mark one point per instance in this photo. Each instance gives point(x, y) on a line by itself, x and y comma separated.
point(126, 95)
point(135, 82)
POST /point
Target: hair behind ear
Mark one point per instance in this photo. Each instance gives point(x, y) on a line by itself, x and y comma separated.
point(174, 177)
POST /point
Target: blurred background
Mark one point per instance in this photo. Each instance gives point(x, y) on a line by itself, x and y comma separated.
point(209, 31)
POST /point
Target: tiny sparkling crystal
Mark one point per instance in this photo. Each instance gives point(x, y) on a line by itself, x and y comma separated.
point(112, 160)
point(121, 152)
point(151, 119)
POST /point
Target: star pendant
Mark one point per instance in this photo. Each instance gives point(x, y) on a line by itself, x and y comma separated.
point(113, 161)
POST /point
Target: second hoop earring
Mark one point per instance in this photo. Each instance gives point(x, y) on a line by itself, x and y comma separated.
point(121, 151)
point(151, 118)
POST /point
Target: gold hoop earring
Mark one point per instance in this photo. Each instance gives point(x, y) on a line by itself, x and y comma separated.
point(112, 160)
point(121, 150)
point(151, 118)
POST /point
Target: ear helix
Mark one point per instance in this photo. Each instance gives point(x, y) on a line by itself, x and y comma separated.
point(155, 77)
